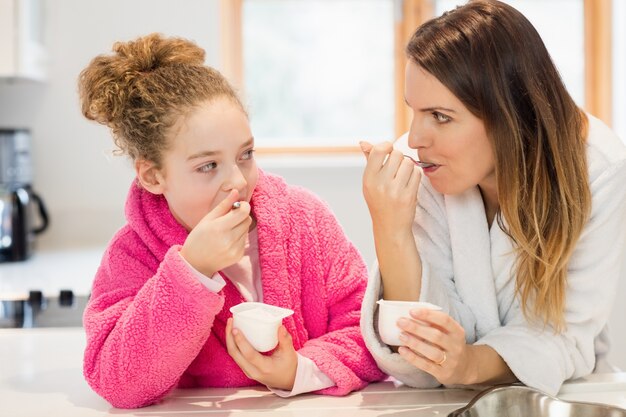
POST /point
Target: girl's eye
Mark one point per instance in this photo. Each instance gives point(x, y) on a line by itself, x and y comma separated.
point(207, 167)
point(440, 117)
point(248, 154)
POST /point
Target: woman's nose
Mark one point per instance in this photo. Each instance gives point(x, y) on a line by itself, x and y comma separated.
point(418, 136)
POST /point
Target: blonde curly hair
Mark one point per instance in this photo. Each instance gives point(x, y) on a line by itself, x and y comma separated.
point(144, 87)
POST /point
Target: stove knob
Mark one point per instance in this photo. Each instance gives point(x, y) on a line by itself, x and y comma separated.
point(35, 299)
point(66, 298)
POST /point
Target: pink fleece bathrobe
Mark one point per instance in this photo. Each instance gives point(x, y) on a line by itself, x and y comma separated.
point(152, 326)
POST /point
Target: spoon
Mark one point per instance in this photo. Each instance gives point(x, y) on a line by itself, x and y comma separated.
point(420, 164)
point(366, 147)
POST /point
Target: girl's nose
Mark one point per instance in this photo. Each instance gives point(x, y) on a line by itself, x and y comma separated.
point(236, 180)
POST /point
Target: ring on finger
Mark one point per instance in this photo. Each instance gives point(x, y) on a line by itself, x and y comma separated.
point(443, 359)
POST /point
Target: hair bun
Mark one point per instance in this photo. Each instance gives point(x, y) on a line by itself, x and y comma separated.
point(110, 81)
point(153, 51)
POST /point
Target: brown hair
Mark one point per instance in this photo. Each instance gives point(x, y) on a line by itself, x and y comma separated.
point(143, 88)
point(492, 58)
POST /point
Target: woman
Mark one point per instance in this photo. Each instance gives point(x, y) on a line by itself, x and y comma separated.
point(516, 224)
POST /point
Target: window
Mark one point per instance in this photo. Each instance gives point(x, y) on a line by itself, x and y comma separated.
point(619, 67)
point(319, 72)
point(322, 74)
point(563, 37)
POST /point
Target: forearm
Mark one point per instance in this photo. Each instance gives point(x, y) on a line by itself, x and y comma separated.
point(487, 366)
point(344, 358)
point(131, 337)
point(400, 265)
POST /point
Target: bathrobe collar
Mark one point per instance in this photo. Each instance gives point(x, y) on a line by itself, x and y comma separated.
point(471, 246)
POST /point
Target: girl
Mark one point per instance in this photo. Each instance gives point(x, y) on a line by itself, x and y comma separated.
point(517, 227)
point(158, 316)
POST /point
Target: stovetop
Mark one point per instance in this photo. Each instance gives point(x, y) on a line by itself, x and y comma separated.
point(64, 310)
point(48, 290)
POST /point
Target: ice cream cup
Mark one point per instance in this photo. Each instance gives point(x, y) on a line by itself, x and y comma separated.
point(388, 314)
point(259, 323)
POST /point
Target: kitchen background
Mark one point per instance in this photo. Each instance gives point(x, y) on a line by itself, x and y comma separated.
point(85, 186)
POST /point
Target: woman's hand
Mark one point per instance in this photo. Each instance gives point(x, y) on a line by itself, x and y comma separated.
point(435, 343)
point(219, 239)
point(277, 370)
point(390, 184)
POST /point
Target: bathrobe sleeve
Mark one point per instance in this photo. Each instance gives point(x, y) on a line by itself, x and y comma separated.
point(144, 328)
point(430, 229)
point(338, 349)
point(543, 359)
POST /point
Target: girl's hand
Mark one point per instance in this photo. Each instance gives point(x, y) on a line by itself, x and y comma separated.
point(435, 343)
point(277, 370)
point(390, 184)
point(219, 239)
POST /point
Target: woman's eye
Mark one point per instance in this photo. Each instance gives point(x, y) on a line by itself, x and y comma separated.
point(440, 117)
point(207, 167)
point(248, 154)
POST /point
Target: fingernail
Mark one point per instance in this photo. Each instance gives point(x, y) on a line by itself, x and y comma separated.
point(402, 322)
point(403, 337)
point(235, 332)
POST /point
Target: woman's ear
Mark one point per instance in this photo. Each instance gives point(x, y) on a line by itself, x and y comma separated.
point(149, 176)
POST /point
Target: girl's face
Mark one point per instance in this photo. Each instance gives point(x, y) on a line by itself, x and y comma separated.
point(447, 134)
point(210, 154)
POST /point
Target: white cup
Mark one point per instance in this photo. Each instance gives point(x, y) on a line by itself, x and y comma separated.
point(388, 314)
point(259, 323)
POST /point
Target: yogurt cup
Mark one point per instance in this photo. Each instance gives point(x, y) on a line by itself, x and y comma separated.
point(389, 312)
point(259, 323)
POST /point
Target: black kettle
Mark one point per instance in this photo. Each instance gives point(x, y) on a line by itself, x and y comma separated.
point(19, 208)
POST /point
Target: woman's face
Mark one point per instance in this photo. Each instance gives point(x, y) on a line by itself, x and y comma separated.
point(210, 154)
point(444, 132)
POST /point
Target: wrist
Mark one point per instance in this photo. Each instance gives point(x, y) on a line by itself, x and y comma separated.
point(395, 237)
point(291, 378)
point(209, 272)
point(393, 223)
point(287, 384)
point(472, 361)
point(486, 366)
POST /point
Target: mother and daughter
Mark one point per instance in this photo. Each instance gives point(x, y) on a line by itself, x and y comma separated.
point(515, 227)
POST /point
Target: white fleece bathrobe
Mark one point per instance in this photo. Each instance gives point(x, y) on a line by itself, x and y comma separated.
point(467, 268)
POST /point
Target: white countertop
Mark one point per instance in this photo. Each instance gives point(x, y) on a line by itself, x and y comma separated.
point(41, 375)
point(51, 271)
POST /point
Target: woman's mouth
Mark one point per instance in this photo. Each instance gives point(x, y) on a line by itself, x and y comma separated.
point(424, 165)
point(429, 167)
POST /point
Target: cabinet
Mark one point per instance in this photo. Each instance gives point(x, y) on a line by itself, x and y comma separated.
point(22, 52)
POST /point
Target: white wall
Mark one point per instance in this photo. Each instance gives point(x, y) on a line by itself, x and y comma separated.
point(337, 181)
point(85, 187)
point(83, 184)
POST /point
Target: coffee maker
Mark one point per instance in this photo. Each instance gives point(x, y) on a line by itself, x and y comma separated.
point(22, 212)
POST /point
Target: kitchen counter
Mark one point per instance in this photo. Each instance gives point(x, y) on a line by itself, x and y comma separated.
point(41, 375)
